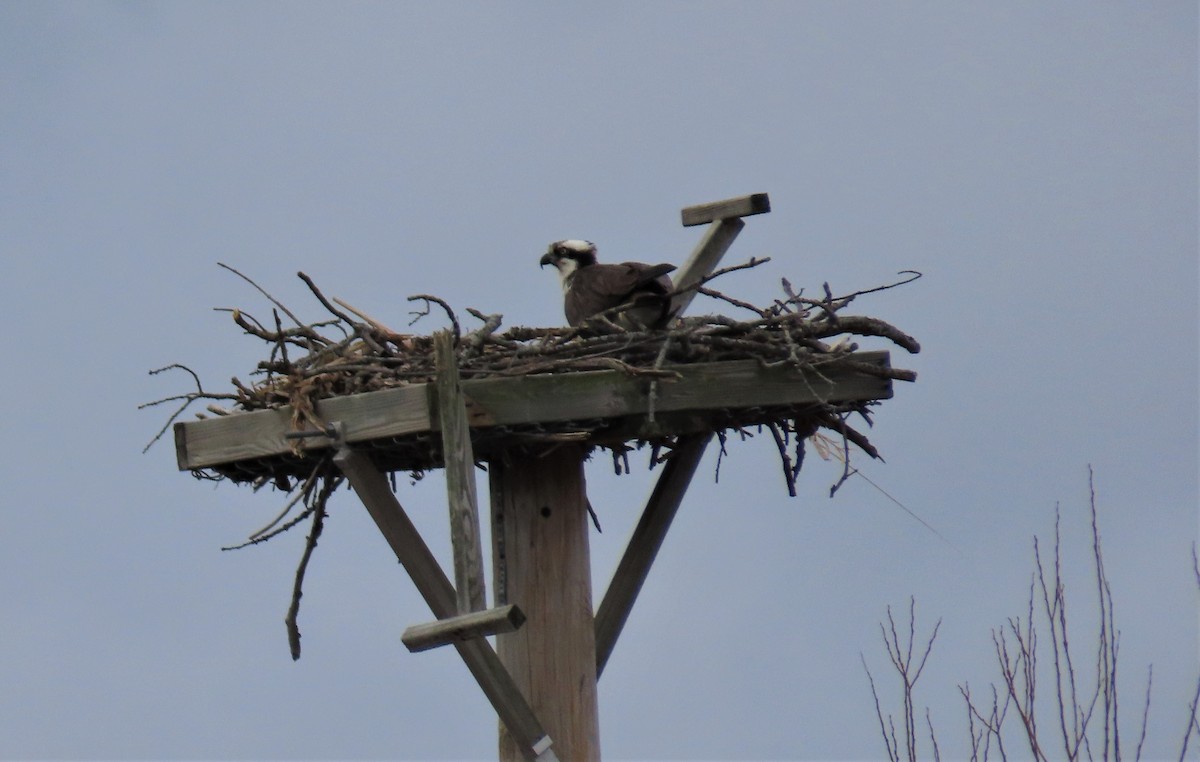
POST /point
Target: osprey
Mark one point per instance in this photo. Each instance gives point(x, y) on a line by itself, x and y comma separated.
point(590, 288)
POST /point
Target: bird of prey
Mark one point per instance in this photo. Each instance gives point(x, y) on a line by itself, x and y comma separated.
point(640, 290)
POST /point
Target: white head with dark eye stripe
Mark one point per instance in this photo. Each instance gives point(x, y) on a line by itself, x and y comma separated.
point(568, 256)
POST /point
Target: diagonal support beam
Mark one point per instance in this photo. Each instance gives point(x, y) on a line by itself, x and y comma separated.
point(708, 252)
point(725, 224)
point(644, 544)
point(372, 489)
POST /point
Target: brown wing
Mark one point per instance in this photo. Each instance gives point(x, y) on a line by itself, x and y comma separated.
point(597, 288)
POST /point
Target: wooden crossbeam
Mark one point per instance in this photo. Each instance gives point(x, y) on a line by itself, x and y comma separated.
point(726, 224)
point(371, 486)
point(643, 546)
point(477, 624)
point(542, 563)
point(544, 398)
point(742, 206)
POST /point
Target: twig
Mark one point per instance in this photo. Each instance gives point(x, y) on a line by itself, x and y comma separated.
point(913, 275)
point(785, 459)
point(889, 744)
point(909, 671)
point(713, 293)
point(1193, 725)
point(321, 298)
point(301, 493)
point(1145, 712)
point(262, 291)
point(441, 303)
point(752, 262)
point(318, 524)
point(188, 399)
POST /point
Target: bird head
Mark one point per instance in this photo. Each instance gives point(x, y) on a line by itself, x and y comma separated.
point(569, 255)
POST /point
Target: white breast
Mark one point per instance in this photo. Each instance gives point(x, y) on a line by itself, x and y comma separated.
point(566, 272)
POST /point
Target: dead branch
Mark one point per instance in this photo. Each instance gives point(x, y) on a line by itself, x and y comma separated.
point(318, 524)
point(752, 262)
point(714, 294)
point(324, 302)
point(187, 399)
point(263, 291)
point(441, 303)
point(1193, 725)
point(785, 458)
point(300, 494)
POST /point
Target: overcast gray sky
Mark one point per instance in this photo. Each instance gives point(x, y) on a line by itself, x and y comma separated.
point(1037, 162)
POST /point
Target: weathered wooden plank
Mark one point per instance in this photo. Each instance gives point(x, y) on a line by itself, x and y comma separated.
point(371, 486)
point(387, 413)
point(643, 546)
point(542, 564)
point(611, 394)
point(703, 260)
point(477, 624)
point(460, 478)
point(534, 399)
point(742, 206)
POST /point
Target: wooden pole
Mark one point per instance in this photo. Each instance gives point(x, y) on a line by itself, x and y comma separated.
point(530, 740)
point(542, 564)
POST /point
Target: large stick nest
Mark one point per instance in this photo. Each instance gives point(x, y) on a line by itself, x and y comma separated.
point(352, 353)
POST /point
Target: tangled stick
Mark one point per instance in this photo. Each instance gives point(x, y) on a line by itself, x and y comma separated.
point(188, 399)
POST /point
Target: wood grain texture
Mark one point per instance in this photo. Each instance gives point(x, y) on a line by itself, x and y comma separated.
point(542, 564)
point(741, 206)
point(460, 478)
point(477, 624)
point(371, 486)
point(704, 259)
point(643, 546)
point(391, 412)
point(534, 399)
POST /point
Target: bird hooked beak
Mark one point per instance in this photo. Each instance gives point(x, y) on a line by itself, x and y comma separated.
point(547, 259)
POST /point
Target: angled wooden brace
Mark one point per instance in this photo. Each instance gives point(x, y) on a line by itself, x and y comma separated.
point(371, 486)
point(725, 224)
point(643, 546)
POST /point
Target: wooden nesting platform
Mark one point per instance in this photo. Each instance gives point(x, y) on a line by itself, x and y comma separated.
point(399, 426)
point(350, 399)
